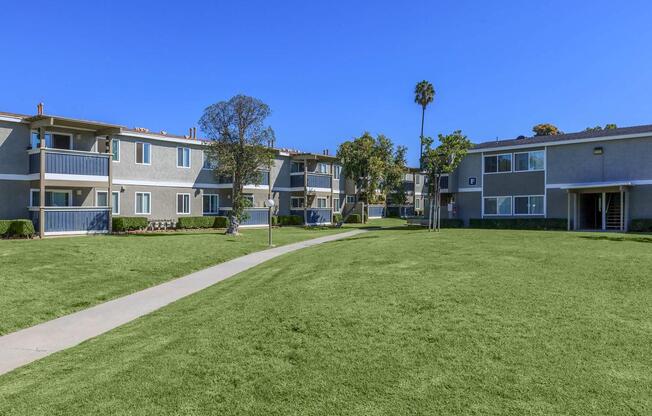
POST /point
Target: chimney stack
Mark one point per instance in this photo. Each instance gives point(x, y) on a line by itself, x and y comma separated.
point(194, 133)
point(190, 133)
point(39, 109)
point(325, 152)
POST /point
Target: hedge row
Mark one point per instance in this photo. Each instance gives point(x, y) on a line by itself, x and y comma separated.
point(337, 218)
point(641, 225)
point(287, 220)
point(451, 223)
point(121, 224)
point(519, 223)
point(202, 222)
point(354, 219)
point(17, 228)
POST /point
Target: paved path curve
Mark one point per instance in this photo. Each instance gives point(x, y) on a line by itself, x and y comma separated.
point(31, 344)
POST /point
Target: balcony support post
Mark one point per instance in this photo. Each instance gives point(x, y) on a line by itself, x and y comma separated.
point(305, 192)
point(41, 204)
point(109, 149)
point(331, 202)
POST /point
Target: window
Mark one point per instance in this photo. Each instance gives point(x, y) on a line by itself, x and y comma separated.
point(143, 203)
point(115, 147)
point(501, 205)
point(101, 199)
point(52, 140)
point(337, 171)
point(529, 161)
point(528, 205)
point(417, 179)
point(183, 203)
point(208, 162)
point(296, 202)
point(322, 202)
point(115, 204)
point(296, 167)
point(417, 203)
point(211, 203)
point(52, 198)
point(350, 199)
point(143, 153)
point(183, 157)
point(249, 199)
point(336, 204)
point(322, 168)
point(498, 163)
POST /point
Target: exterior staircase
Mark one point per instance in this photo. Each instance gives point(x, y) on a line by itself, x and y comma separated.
point(613, 212)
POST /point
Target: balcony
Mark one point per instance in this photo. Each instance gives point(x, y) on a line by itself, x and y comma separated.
point(63, 164)
point(314, 181)
point(256, 216)
point(72, 220)
point(376, 211)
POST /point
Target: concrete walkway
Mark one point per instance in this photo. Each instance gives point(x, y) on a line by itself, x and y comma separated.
point(31, 344)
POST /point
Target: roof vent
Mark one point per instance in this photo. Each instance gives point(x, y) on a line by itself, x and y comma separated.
point(141, 129)
point(521, 137)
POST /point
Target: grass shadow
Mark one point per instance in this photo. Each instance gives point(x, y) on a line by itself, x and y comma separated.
point(617, 238)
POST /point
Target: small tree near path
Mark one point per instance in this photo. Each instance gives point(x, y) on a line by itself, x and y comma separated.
point(239, 147)
point(440, 160)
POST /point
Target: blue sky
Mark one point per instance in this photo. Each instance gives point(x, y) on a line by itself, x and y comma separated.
point(331, 70)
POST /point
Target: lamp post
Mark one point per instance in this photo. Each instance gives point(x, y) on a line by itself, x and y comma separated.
point(270, 204)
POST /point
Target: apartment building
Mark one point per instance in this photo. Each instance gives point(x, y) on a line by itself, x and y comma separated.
point(77, 174)
point(596, 180)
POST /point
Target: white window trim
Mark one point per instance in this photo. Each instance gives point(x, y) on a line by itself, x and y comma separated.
point(511, 156)
point(347, 199)
point(337, 172)
point(293, 198)
point(99, 191)
point(497, 214)
point(136, 203)
point(337, 207)
point(119, 150)
point(31, 196)
point(189, 157)
point(528, 206)
point(136, 153)
point(116, 207)
point(528, 161)
point(203, 162)
point(217, 206)
point(176, 201)
point(322, 198)
point(417, 203)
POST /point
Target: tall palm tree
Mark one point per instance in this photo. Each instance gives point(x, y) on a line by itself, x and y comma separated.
point(424, 94)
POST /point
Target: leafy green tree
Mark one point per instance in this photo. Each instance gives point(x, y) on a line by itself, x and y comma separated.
point(393, 188)
point(440, 160)
point(239, 146)
point(546, 129)
point(372, 164)
point(424, 94)
point(610, 126)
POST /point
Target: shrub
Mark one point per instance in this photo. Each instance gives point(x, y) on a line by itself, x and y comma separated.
point(451, 223)
point(122, 224)
point(354, 219)
point(17, 228)
point(289, 220)
point(641, 225)
point(202, 222)
point(519, 223)
point(337, 217)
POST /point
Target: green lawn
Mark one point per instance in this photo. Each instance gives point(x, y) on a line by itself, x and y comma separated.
point(390, 322)
point(42, 280)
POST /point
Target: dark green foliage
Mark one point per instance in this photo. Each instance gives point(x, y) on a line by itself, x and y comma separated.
point(274, 220)
point(202, 222)
point(337, 217)
point(452, 223)
point(121, 224)
point(354, 219)
point(17, 228)
point(288, 220)
point(519, 223)
point(641, 225)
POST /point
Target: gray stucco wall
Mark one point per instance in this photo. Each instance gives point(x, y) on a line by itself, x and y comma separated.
point(622, 159)
point(516, 183)
point(469, 205)
point(14, 200)
point(14, 141)
point(471, 166)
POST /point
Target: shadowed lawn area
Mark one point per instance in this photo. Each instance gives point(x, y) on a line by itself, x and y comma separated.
point(391, 322)
point(42, 280)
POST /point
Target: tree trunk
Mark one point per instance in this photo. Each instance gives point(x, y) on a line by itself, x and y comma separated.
point(236, 207)
point(423, 115)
